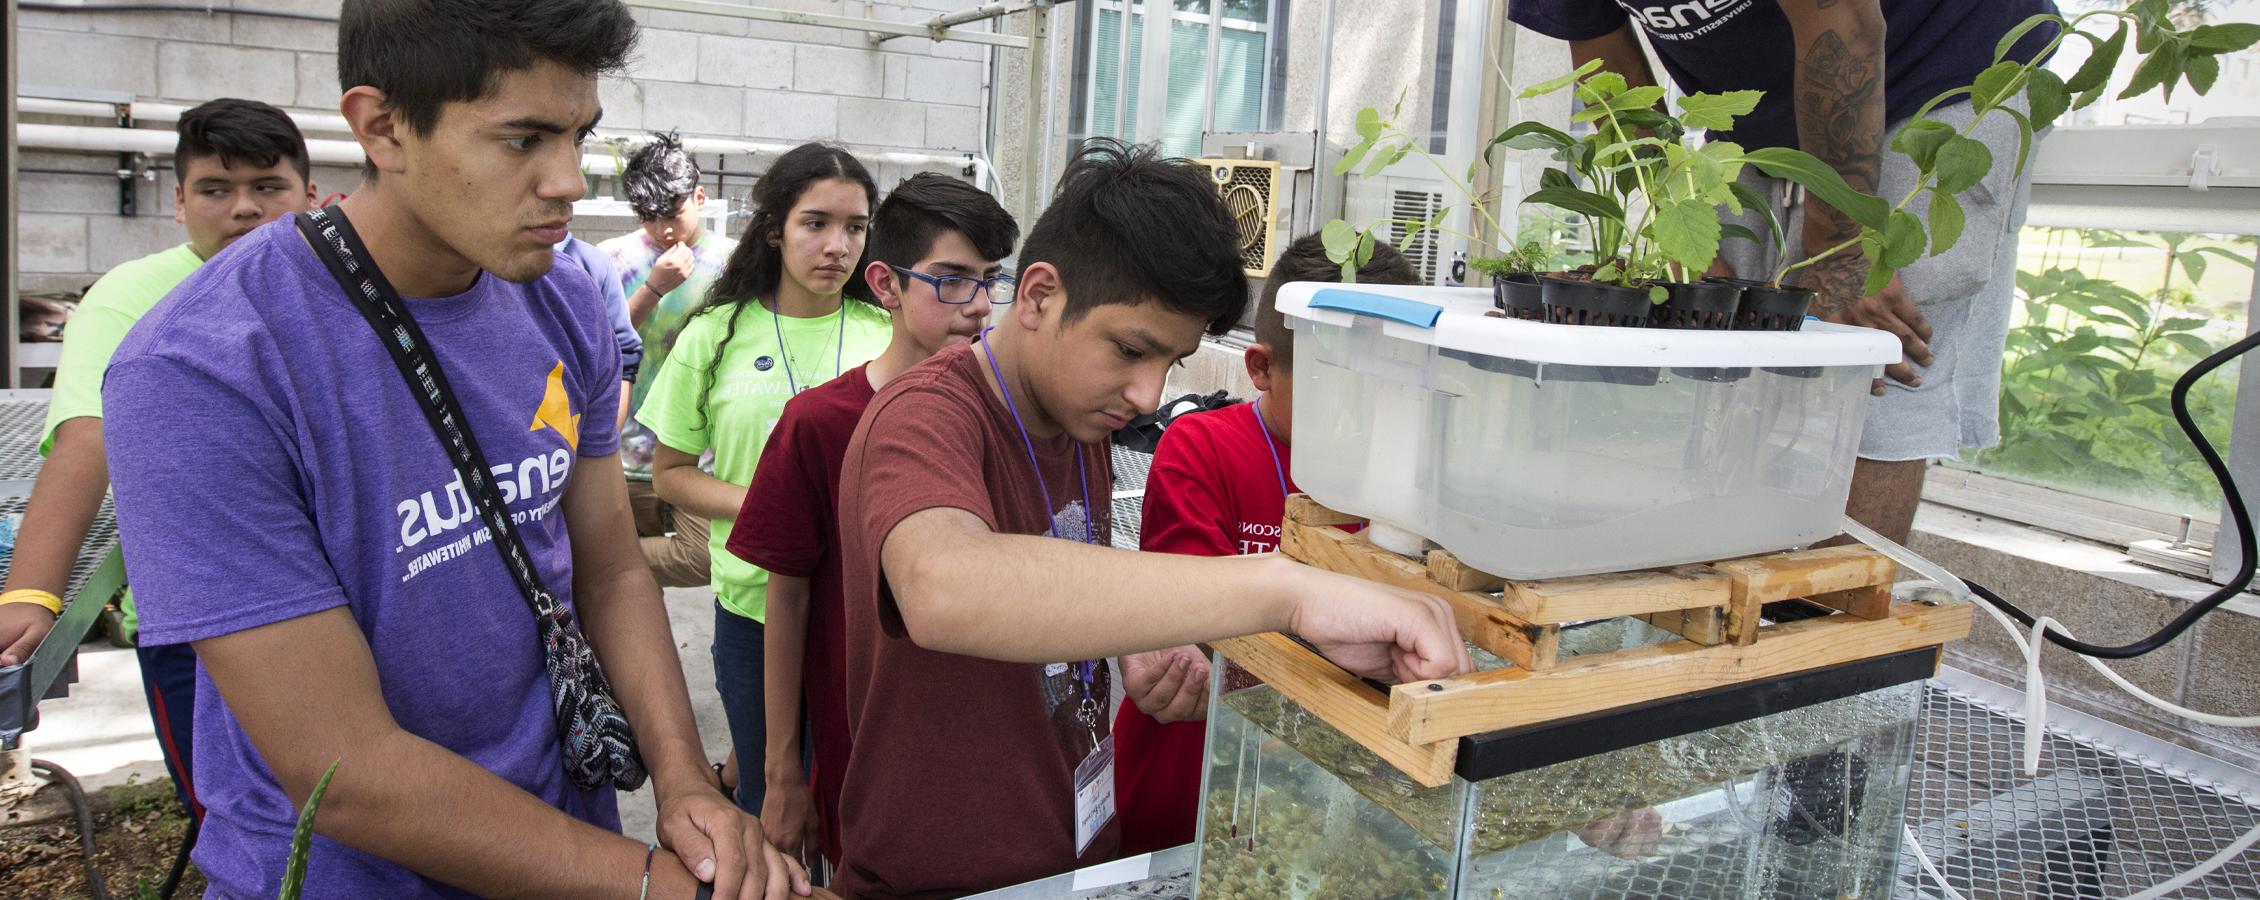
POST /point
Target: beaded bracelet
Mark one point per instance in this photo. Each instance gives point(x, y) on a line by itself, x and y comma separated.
point(645, 892)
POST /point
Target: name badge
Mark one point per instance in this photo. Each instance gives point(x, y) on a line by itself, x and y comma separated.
point(1094, 794)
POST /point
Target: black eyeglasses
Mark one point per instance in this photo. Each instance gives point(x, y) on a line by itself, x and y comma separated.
point(961, 289)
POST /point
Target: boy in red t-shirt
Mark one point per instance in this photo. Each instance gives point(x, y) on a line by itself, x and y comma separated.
point(937, 250)
point(1218, 487)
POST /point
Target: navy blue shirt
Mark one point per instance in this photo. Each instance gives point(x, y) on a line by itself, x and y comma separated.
point(1711, 46)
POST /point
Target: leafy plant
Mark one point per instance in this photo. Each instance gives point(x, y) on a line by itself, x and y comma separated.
point(302, 839)
point(1948, 161)
point(1529, 256)
point(2087, 373)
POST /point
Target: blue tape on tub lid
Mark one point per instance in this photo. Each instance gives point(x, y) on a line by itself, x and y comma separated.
point(1395, 309)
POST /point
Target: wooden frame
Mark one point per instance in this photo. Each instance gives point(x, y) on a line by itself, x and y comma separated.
point(1715, 608)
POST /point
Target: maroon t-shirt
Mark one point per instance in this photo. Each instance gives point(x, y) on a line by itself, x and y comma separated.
point(961, 778)
point(789, 526)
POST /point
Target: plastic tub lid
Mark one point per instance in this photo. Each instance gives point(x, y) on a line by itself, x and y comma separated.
point(1455, 320)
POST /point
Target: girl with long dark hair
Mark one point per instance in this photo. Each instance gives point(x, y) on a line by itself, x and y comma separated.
point(780, 320)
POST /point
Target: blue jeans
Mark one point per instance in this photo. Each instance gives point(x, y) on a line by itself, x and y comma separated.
point(168, 681)
point(738, 660)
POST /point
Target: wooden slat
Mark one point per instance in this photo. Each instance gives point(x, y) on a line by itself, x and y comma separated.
point(1344, 701)
point(1481, 619)
point(1447, 569)
point(1586, 597)
point(1759, 580)
point(1706, 626)
point(1301, 508)
point(1507, 698)
point(1871, 602)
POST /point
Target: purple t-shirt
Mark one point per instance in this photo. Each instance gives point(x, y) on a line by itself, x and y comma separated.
point(269, 463)
point(1712, 46)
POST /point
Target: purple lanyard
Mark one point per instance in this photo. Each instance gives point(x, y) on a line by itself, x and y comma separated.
point(1255, 408)
point(1087, 670)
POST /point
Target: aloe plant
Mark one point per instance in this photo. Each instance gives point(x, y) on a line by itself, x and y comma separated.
point(302, 839)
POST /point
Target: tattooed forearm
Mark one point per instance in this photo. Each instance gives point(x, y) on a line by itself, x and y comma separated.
point(1840, 120)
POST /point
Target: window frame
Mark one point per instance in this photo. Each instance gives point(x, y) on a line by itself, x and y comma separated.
point(2139, 178)
point(1087, 98)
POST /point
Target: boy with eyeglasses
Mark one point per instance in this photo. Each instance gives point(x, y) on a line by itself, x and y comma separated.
point(936, 263)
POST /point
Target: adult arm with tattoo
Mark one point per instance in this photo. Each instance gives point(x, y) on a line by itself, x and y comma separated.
point(1619, 51)
point(1840, 119)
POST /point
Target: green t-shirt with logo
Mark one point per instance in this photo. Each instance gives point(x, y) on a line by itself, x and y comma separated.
point(733, 413)
point(110, 309)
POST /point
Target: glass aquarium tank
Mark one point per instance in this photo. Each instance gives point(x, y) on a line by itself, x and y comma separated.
point(1788, 789)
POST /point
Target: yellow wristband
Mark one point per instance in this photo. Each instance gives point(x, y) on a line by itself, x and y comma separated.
point(52, 603)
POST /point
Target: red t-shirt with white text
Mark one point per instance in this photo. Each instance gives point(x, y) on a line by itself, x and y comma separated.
point(1214, 490)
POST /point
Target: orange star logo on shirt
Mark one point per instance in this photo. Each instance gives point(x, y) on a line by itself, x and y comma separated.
point(556, 410)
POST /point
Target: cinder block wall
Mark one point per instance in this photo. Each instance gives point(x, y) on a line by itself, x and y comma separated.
point(709, 76)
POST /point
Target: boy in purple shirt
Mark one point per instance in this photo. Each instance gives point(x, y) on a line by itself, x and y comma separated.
point(294, 517)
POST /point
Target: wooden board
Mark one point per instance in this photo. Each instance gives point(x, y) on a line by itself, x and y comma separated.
point(1507, 698)
point(1446, 569)
point(1706, 626)
point(1759, 580)
point(1481, 617)
point(1871, 602)
point(1344, 701)
point(1301, 508)
point(1588, 597)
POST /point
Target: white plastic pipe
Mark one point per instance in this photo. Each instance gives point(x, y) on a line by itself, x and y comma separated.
point(153, 142)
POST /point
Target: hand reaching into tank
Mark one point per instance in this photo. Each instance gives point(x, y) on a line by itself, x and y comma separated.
point(1376, 631)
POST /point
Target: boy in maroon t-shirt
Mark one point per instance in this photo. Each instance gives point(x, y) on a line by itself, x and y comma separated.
point(976, 676)
point(937, 263)
point(1218, 487)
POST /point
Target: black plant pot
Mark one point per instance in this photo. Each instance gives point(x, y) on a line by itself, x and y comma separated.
point(1519, 296)
point(1704, 306)
point(1570, 302)
point(1592, 303)
point(1768, 308)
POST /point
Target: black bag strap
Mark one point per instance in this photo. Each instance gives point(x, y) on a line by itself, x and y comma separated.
point(599, 746)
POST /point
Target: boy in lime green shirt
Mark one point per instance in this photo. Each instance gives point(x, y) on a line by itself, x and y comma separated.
point(242, 164)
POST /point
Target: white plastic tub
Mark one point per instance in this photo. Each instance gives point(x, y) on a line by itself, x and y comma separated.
point(1533, 450)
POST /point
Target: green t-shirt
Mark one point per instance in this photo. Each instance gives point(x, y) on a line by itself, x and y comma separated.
point(110, 310)
point(733, 417)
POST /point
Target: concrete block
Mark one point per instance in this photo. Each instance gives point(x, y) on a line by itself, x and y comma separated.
point(74, 283)
point(332, 180)
point(789, 116)
point(897, 84)
point(2099, 610)
point(87, 62)
point(699, 23)
point(114, 239)
point(211, 28)
point(744, 62)
point(50, 242)
point(45, 192)
point(622, 101)
point(695, 108)
point(954, 128)
point(197, 72)
point(317, 81)
point(289, 34)
point(839, 71)
point(663, 55)
point(2224, 675)
point(943, 81)
point(893, 124)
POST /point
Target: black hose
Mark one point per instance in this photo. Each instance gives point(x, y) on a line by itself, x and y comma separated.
point(175, 7)
point(85, 810)
point(2243, 520)
point(180, 860)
